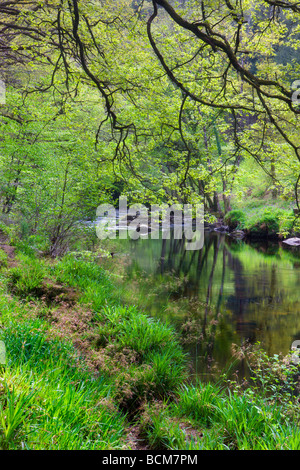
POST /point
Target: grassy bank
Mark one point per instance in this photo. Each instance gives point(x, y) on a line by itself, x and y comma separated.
point(263, 222)
point(85, 371)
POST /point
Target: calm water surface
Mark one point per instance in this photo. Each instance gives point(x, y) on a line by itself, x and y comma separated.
point(227, 293)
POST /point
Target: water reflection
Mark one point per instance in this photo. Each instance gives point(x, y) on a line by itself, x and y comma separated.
point(226, 293)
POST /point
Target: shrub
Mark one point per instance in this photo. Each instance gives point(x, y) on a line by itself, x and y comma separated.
point(267, 222)
point(235, 219)
point(271, 221)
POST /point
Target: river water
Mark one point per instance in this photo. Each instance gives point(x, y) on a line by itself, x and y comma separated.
point(229, 292)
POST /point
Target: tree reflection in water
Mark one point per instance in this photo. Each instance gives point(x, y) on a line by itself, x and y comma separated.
point(227, 293)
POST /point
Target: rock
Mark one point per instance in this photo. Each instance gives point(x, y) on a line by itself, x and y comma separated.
point(237, 234)
point(292, 241)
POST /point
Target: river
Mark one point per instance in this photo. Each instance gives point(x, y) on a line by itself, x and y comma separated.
point(229, 292)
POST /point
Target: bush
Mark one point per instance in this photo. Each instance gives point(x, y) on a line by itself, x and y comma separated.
point(271, 221)
point(267, 222)
point(235, 219)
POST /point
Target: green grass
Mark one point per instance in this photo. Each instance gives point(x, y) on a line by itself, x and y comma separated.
point(200, 403)
point(141, 360)
point(264, 415)
point(164, 432)
point(144, 353)
point(48, 401)
point(26, 280)
point(208, 417)
point(50, 397)
point(265, 220)
point(92, 280)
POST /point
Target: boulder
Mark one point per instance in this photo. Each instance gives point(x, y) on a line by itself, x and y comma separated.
point(292, 241)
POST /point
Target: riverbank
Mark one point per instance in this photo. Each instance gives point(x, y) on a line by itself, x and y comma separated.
point(85, 371)
point(263, 219)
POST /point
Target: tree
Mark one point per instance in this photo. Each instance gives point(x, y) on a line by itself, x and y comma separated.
point(50, 173)
point(228, 97)
point(225, 31)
